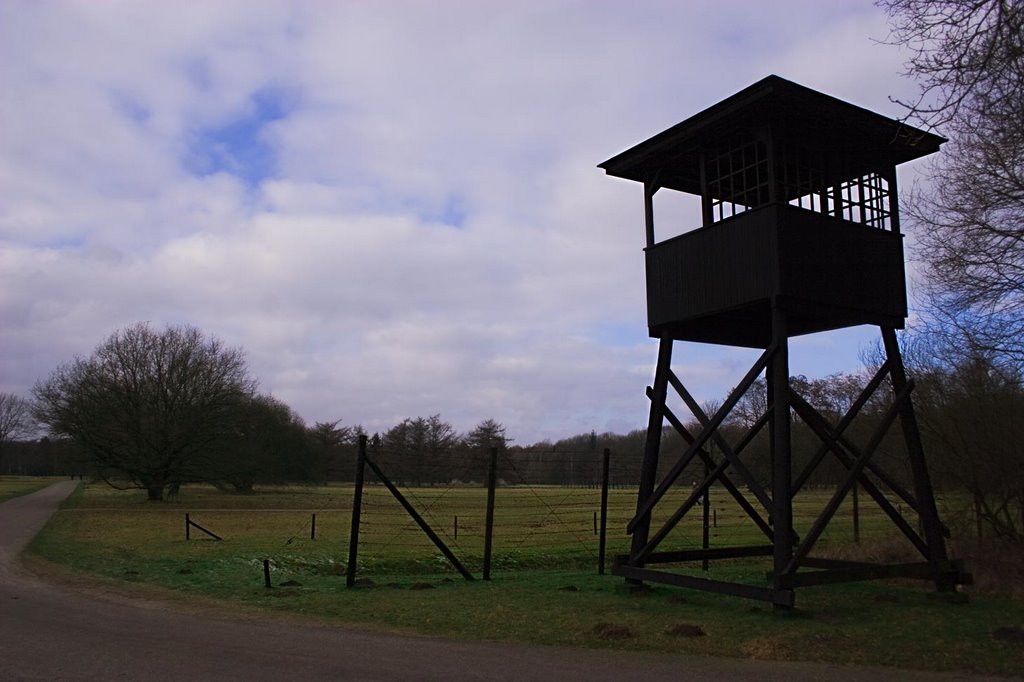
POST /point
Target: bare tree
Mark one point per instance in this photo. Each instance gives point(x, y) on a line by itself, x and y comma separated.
point(969, 410)
point(419, 450)
point(964, 53)
point(150, 409)
point(15, 419)
point(269, 444)
point(968, 57)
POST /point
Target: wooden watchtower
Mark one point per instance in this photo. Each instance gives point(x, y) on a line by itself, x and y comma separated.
point(799, 234)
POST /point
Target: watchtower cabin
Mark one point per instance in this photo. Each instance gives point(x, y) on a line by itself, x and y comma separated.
point(798, 233)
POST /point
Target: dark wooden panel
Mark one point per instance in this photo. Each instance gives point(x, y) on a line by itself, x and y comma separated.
point(714, 269)
point(715, 284)
point(840, 264)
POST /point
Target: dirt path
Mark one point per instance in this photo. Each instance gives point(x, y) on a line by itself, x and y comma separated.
point(55, 632)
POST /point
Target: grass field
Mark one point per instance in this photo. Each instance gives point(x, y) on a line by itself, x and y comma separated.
point(545, 586)
point(16, 486)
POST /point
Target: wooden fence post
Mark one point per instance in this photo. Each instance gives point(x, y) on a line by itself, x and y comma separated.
point(856, 514)
point(492, 478)
point(604, 512)
point(706, 515)
point(357, 506)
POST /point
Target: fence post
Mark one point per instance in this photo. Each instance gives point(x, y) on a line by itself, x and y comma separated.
point(706, 509)
point(977, 515)
point(266, 573)
point(856, 515)
point(187, 524)
point(312, 529)
point(492, 477)
point(357, 506)
point(604, 512)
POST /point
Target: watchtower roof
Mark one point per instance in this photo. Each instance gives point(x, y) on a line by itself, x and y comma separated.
point(850, 140)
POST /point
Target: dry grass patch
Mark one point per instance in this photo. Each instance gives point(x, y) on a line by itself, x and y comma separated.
point(611, 631)
point(686, 630)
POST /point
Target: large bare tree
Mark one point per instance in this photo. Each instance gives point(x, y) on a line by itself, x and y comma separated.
point(270, 444)
point(15, 419)
point(968, 57)
point(151, 409)
point(969, 411)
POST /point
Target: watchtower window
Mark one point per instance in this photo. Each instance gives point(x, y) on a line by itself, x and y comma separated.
point(737, 177)
point(801, 181)
point(863, 200)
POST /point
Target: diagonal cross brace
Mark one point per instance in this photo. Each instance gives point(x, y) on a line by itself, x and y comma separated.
point(644, 510)
point(823, 431)
point(722, 476)
point(718, 471)
point(836, 437)
point(854, 473)
point(741, 469)
point(840, 428)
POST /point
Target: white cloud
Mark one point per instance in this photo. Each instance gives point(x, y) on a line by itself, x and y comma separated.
point(338, 274)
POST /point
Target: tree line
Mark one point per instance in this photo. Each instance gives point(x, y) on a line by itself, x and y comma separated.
point(156, 410)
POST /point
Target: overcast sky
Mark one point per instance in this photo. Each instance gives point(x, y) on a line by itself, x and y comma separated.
point(392, 207)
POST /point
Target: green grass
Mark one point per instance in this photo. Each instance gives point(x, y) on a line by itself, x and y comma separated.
point(544, 589)
point(16, 486)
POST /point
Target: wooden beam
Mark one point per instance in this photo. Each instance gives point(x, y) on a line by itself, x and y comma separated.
point(814, 420)
point(838, 431)
point(712, 553)
point(719, 470)
point(644, 510)
point(641, 524)
point(424, 526)
point(851, 478)
point(782, 445)
point(780, 597)
point(917, 571)
point(926, 506)
point(698, 412)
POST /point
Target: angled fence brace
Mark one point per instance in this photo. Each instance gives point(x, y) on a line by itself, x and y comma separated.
point(189, 523)
point(424, 526)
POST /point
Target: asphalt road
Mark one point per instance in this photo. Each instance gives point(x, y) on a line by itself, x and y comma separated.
point(55, 631)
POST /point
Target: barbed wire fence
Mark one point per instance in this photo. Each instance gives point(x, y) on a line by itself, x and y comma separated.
point(546, 508)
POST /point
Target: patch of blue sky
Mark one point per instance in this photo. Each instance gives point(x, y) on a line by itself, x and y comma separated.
point(452, 212)
point(198, 73)
point(621, 334)
point(130, 107)
point(240, 146)
point(64, 242)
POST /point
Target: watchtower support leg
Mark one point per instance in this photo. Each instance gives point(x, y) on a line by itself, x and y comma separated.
point(652, 445)
point(923, 491)
point(782, 501)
